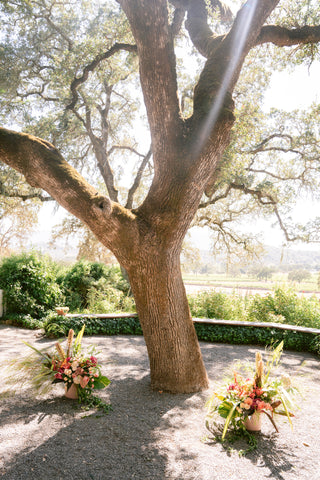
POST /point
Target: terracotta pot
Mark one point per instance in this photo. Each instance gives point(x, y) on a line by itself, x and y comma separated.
point(253, 422)
point(71, 392)
point(62, 310)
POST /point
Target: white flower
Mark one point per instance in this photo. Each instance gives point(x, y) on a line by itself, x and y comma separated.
point(77, 379)
point(74, 365)
point(68, 372)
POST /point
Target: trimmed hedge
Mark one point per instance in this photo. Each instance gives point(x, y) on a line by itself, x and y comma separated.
point(293, 340)
point(25, 321)
point(56, 326)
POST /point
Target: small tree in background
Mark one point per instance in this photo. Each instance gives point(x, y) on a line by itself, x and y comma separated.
point(298, 275)
point(265, 273)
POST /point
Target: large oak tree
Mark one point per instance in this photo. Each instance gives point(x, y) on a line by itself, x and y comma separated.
point(187, 156)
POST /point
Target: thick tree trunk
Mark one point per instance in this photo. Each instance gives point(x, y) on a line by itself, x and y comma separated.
point(176, 363)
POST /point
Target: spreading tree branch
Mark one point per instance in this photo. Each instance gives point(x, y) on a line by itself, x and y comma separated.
point(137, 180)
point(228, 53)
point(158, 78)
point(117, 47)
point(177, 21)
point(24, 196)
point(44, 167)
point(285, 37)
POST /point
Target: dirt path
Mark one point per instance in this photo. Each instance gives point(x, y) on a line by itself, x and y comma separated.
point(149, 435)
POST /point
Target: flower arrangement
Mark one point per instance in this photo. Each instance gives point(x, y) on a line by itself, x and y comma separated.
point(77, 370)
point(248, 397)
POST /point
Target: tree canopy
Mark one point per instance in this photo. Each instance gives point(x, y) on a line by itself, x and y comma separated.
point(67, 84)
point(71, 77)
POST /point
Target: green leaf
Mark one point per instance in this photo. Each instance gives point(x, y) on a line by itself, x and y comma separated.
point(228, 420)
point(224, 408)
point(286, 409)
point(77, 343)
point(44, 355)
point(101, 382)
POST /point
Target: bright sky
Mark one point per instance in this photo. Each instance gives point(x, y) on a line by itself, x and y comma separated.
point(288, 91)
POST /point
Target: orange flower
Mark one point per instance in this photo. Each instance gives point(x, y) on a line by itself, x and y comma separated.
point(65, 364)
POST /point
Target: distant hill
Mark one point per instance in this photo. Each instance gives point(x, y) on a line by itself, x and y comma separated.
point(276, 256)
point(273, 256)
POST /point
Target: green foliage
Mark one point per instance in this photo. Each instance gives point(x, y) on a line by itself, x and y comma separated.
point(95, 286)
point(25, 321)
point(29, 284)
point(281, 306)
point(298, 275)
point(34, 285)
point(218, 305)
point(56, 326)
point(285, 306)
point(265, 273)
point(92, 401)
point(293, 340)
point(315, 345)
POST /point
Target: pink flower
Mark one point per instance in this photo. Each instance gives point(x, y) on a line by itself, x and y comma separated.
point(261, 405)
point(84, 381)
point(58, 376)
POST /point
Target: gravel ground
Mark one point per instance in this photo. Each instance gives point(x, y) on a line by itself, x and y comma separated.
point(148, 435)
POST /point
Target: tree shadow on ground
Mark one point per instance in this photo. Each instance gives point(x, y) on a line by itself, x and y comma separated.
point(268, 453)
point(148, 435)
point(88, 445)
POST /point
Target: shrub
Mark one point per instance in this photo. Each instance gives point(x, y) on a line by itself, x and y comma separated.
point(25, 321)
point(104, 298)
point(293, 340)
point(56, 326)
point(315, 345)
point(218, 305)
point(93, 285)
point(281, 306)
point(285, 306)
point(29, 284)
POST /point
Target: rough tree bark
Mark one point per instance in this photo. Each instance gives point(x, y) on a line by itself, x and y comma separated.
point(187, 154)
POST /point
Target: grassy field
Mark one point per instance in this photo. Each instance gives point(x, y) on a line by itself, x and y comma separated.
point(245, 281)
